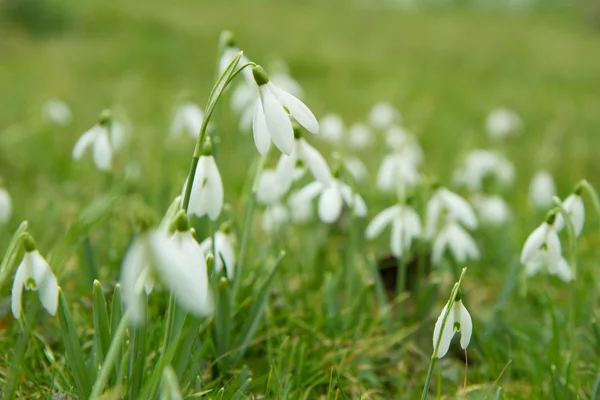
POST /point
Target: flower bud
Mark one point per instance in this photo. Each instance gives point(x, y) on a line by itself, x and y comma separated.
point(260, 76)
point(29, 243)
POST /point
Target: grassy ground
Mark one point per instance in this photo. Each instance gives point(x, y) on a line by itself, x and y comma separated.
point(444, 69)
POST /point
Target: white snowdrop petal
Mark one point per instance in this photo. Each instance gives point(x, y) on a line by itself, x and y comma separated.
point(541, 190)
point(102, 151)
point(396, 238)
point(356, 168)
point(533, 243)
point(314, 161)
point(297, 108)
point(562, 269)
point(134, 264)
point(380, 221)
point(432, 216)
point(439, 246)
point(118, 136)
point(330, 204)
point(459, 208)
point(214, 188)
point(277, 121)
point(22, 274)
point(45, 281)
point(443, 335)
point(359, 206)
point(226, 253)
point(260, 130)
point(285, 169)
point(553, 247)
point(308, 192)
point(466, 325)
point(85, 141)
point(386, 174)
point(268, 189)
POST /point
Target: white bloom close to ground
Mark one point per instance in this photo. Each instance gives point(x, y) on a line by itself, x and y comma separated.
point(360, 136)
point(480, 164)
point(492, 210)
point(405, 224)
point(310, 158)
point(575, 208)
point(458, 320)
point(34, 273)
point(207, 189)
point(542, 249)
point(453, 238)
point(541, 190)
point(187, 119)
point(397, 172)
point(5, 206)
point(383, 115)
point(405, 143)
point(271, 120)
point(175, 262)
point(57, 112)
point(331, 128)
point(444, 202)
point(98, 139)
point(225, 250)
point(503, 122)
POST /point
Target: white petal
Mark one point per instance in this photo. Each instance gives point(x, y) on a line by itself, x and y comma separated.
point(396, 238)
point(553, 247)
point(118, 135)
point(433, 213)
point(134, 264)
point(307, 193)
point(386, 175)
point(459, 208)
point(574, 206)
point(561, 269)
point(330, 204)
point(285, 170)
point(85, 141)
point(380, 221)
point(207, 189)
point(446, 334)
point(314, 161)
point(226, 253)
point(269, 189)
point(102, 151)
point(5, 206)
point(45, 281)
point(541, 190)
point(260, 130)
point(297, 108)
point(359, 206)
point(466, 324)
point(24, 272)
point(461, 244)
point(277, 120)
point(533, 243)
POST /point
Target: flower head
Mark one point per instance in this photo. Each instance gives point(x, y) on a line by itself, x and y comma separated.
point(444, 202)
point(405, 223)
point(503, 122)
point(397, 172)
point(541, 190)
point(188, 119)
point(455, 239)
point(492, 210)
point(458, 320)
point(34, 274)
point(207, 188)
point(332, 128)
point(383, 115)
point(480, 164)
point(575, 208)
point(97, 137)
point(57, 112)
point(224, 248)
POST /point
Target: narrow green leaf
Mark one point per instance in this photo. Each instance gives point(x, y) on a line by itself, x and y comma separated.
point(116, 313)
point(241, 392)
point(137, 361)
point(12, 254)
point(498, 395)
point(101, 325)
point(222, 317)
point(73, 348)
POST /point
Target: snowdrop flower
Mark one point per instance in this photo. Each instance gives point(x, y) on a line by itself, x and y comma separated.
point(188, 119)
point(331, 128)
point(383, 115)
point(225, 250)
point(57, 112)
point(575, 208)
point(503, 122)
point(541, 190)
point(542, 249)
point(229, 52)
point(454, 238)
point(403, 142)
point(5, 206)
point(492, 210)
point(175, 261)
point(97, 137)
point(405, 224)
point(207, 188)
point(480, 164)
point(271, 121)
point(397, 172)
point(275, 218)
point(458, 320)
point(300, 208)
point(360, 136)
point(356, 168)
point(269, 190)
point(34, 274)
point(444, 202)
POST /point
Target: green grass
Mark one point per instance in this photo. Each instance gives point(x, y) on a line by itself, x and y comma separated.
point(444, 69)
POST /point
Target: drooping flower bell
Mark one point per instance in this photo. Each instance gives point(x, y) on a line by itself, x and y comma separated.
point(207, 188)
point(225, 249)
point(98, 138)
point(480, 165)
point(271, 119)
point(492, 210)
point(458, 320)
point(452, 237)
point(541, 190)
point(34, 274)
point(405, 224)
point(575, 208)
point(443, 201)
point(57, 112)
point(503, 122)
point(187, 119)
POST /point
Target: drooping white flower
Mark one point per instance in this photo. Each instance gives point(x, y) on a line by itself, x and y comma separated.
point(443, 203)
point(271, 120)
point(405, 224)
point(224, 248)
point(503, 122)
point(402, 142)
point(34, 273)
point(5, 206)
point(480, 164)
point(541, 190)
point(57, 112)
point(360, 136)
point(331, 128)
point(98, 138)
point(397, 172)
point(383, 115)
point(176, 262)
point(492, 210)
point(542, 249)
point(455, 239)
point(207, 189)
point(356, 168)
point(575, 208)
point(187, 119)
point(458, 320)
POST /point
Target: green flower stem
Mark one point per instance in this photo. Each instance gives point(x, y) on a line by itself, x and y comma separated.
point(111, 357)
point(439, 339)
point(593, 194)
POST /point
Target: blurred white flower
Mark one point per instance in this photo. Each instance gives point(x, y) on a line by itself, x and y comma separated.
point(458, 320)
point(356, 168)
point(5, 206)
point(360, 136)
point(383, 115)
point(224, 247)
point(269, 190)
point(187, 119)
point(492, 210)
point(405, 143)
point(541, 190)
point(332, 128)
point(310, 158)
point(300, 208)
point(57, 112)
point(98, 139)
point(34, 273)
point(275, 217)
point(503, 122)
point(405, 224)
point(575, 208)
point(454, 238)
point(444, 203)
point(542, 249)
point(207, 189)
point(480, 164)
point(229, 53)
point(285, 82)
point(175, 262)
point(397, 172)
point(271, 120)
